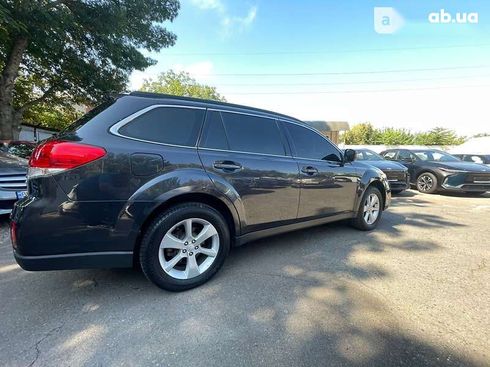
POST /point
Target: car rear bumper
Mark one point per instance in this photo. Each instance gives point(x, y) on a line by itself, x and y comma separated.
point(75, 261)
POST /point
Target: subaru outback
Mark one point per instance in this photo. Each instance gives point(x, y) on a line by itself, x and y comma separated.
point(172, 183)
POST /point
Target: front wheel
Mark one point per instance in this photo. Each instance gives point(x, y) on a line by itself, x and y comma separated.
point(370, 210)
point(184, 246)
point(427, 183)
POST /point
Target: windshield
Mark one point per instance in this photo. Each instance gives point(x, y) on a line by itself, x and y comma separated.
point(368, 155)
point(435, 155)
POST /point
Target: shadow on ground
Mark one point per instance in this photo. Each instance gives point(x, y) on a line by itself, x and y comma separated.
point(294, 299)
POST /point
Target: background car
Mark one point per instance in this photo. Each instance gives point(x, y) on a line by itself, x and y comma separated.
point(396, 173)
point(18, 148)
point(433, 170)
point(475, 158)
point(13, 172)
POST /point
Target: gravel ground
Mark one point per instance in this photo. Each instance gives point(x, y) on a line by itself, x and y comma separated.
point(415, 292)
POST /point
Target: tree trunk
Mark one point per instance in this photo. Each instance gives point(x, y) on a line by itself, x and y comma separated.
point(9, 119)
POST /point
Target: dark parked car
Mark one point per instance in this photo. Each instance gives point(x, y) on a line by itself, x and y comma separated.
point(475, 158)
point(13, 172)
point(396, 173)
point(173, 183)
point(433, 170)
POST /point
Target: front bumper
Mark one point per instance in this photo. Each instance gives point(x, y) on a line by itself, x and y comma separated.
point(7, 201)
point(399, 185)
point(463, 182)
point(398, 180)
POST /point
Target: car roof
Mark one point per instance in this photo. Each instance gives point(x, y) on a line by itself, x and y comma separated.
point(216, 104)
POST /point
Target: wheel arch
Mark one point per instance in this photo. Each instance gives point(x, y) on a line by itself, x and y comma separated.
point(204, 198)
point(379, 185)
point(372, 177)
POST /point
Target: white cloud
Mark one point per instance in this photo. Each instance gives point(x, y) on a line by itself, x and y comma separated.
point(208, 4)
point(241, 22)
point(229, 21)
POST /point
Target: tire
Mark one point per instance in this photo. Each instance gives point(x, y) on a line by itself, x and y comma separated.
point(427, 183)
point(167, 243)
point(361, 221)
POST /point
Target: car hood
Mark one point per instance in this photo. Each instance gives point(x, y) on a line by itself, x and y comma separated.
point(385, 165)
point(463, 166)
point(10, 163)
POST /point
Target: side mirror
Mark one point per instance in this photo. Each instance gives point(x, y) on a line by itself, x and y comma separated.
point(349, 155)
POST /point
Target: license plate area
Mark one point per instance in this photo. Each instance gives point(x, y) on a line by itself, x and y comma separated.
point(21, 194)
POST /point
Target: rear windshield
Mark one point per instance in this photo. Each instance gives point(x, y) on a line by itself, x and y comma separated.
point(89, 115)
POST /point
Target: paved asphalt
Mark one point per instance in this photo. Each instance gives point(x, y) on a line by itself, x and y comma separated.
point(415, 292)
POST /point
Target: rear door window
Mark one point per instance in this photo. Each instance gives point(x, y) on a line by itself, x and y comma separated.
point(213, 135)
point(252, 134)
point(168, 125)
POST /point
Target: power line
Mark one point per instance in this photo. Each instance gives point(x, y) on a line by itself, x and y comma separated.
point(350, 83)
point(353, 72)
point(299, 52)
point(363, 90)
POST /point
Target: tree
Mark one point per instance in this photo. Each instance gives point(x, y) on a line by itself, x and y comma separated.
point(439, 136)
point(66, 52)
point(180, 84)
point(392, 136)
point(361, 134)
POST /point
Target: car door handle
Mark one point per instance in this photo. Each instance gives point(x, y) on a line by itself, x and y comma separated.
point(309, 170)
point(227, 165)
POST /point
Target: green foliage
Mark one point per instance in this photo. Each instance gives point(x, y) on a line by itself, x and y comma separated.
point(361, 134)
point(81, 50)
point(366, 134)
point(180, 84)
point(52, 117)
point(438, 136)
point(393, 136)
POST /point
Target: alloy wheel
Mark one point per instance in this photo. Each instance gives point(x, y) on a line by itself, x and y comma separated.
point(189, 248)
point(425, 183)
point(371, 208)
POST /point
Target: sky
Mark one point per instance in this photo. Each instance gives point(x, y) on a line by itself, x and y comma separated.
point(408, 67)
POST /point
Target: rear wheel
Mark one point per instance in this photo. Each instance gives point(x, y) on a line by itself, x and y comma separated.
point(427, 183)
point(370, 210)
point(184, 246)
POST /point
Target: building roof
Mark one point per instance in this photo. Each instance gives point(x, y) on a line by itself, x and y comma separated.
point(329, 125)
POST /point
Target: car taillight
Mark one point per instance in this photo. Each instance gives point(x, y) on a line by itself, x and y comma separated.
point(56, 156)
point(13, 234)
